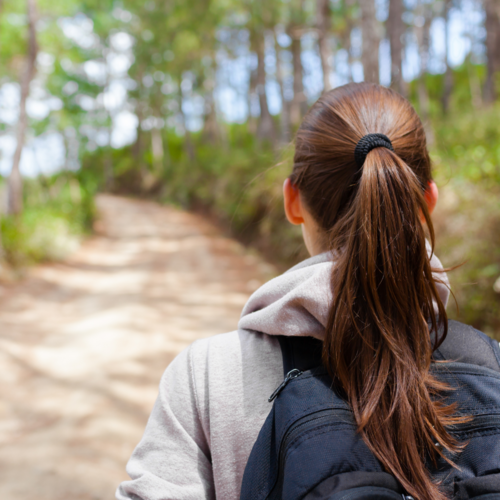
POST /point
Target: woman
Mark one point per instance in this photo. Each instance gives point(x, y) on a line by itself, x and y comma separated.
point(361, 188)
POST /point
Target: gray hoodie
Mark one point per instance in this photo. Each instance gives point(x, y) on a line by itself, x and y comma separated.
point(212, 399)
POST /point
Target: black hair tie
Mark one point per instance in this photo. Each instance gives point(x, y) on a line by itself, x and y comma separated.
point(369, 142)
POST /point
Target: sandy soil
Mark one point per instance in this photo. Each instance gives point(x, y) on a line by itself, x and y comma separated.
point(83, 343)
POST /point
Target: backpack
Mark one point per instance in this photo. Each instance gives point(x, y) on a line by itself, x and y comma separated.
point(309, 448)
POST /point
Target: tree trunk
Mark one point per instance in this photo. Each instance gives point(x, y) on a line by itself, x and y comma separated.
point(265, 127)
point(492, 25)
point(371, 41)
point(137, 146)
point(423, 40)
point(252, 91)
point(396, 31)
point(211, 132)
point(109, 175)
point(298, 105)
point(345, 36)
point(448, 76)
point(15, 196)
point(474, 84)
point(139, 111)
point(157, 150)
point(323, 23)
point(188, 140)
point(285, 105)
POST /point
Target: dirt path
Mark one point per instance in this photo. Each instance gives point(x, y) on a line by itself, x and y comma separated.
point(83, 344)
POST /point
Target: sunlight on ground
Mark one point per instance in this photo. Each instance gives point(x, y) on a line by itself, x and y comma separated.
point(84, 343)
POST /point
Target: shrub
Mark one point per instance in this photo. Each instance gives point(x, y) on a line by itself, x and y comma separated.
point(58, 211)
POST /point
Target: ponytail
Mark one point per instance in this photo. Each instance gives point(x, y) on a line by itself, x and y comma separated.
point(377, 344)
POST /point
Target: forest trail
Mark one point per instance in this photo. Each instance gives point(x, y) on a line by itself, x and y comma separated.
point(83, 343)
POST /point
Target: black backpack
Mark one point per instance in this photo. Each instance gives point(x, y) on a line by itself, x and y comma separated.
point(309, 448)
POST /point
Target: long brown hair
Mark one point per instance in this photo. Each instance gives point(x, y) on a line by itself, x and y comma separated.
point(377, 343)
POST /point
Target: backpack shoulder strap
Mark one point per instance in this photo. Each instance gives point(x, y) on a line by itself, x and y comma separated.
point(302, 353)
point(465, 344)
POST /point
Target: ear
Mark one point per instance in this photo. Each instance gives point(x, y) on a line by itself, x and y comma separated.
point(431, 196)
point(293, 206)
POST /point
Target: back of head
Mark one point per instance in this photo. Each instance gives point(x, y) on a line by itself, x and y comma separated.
point(377, 343)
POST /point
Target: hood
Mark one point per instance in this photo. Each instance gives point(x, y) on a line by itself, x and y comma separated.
point(297, 302)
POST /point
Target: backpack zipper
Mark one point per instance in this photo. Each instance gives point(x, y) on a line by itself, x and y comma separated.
point(479, 422)
point(352, 495)
point(310, 420)
point(301, 425)
point(289, 376)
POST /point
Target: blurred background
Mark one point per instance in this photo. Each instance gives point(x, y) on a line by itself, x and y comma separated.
point(193, 104)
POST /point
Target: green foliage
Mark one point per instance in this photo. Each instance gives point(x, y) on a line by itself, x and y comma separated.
point(241, 187)
point(238, 182)
point(58, 211)
point(468, 145)
point(466, 157)
point(227, 173)
point(467, 223)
